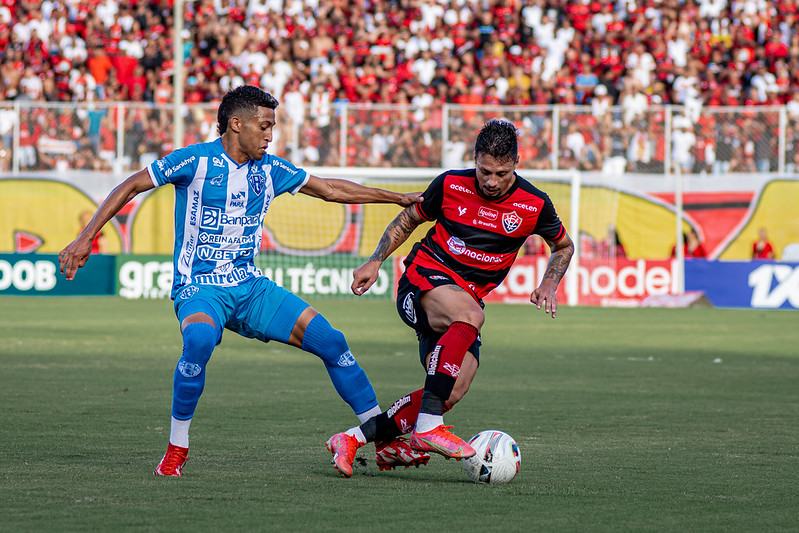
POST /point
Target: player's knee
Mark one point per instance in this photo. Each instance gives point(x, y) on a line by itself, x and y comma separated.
point(326, 343)
point(199, 340)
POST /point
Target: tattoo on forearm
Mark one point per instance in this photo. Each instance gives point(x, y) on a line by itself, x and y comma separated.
point(396, 233)
point(558, 263)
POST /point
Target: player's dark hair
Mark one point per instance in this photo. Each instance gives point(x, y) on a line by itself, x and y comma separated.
point(499, 139)
point(242, 100)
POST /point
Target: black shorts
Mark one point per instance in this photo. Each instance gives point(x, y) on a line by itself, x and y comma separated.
point(413, 283)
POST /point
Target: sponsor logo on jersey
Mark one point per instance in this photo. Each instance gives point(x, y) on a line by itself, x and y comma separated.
point(407, 306)
point(285, 167)
point(218, 162)
point(256, 178)
point(195, 203)
point(190, 370)
point(213, 218)
point(168, 172)
point(221, 238)
point(461, 210)
point(460, 188)
point(458, 247)
point(530, 208)
point(237, 199)
point(207, 252)
point(511, 221)
point(188, 292)
point(346, 359)
point(478, 222)
point(487, 213)
point(234, 276)
point(161, 164)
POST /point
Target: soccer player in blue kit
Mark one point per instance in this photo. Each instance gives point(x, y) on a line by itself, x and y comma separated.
point(223, 189)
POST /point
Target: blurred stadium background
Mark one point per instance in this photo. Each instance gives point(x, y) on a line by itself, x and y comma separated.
point(643, 120)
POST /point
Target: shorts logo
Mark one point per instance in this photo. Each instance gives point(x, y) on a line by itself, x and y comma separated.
point(407, 306)
point(454, 370)
point(346, 359)
point(436, 277)
point(487, 213)
point(189, 370)
point(188, 292)
point(511, 221)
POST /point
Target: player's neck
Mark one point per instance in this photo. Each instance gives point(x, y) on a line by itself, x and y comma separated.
point(233, 149)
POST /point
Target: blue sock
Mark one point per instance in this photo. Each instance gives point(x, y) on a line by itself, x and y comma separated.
point(199, 340)
point(347, 376)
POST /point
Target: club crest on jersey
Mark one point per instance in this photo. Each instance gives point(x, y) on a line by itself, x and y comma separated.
point(256, 178)
point(511, 221)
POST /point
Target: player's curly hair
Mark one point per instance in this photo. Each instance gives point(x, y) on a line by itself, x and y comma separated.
point(498, 138)
point(245, 99)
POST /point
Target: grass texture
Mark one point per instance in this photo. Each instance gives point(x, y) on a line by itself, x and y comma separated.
point(627, 420)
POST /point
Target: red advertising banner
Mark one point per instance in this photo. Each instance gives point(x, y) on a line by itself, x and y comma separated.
point(616, 282)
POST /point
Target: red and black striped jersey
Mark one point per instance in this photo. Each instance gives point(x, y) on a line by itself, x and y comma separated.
point(476, 238)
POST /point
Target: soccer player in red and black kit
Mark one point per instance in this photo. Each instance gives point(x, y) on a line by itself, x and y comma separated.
point(482, 218)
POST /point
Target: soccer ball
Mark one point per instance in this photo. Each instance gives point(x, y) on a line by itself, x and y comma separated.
point(497, 459)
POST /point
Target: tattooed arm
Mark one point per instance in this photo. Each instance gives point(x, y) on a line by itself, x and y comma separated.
point(556, 268)
point(396, 233)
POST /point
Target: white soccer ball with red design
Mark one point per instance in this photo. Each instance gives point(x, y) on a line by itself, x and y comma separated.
point(497, 459)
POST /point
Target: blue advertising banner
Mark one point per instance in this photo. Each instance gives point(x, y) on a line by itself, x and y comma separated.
point(38, 274)
point(755, 284)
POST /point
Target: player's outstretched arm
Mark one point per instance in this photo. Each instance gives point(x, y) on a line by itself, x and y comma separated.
point(348, 192)
point(545, 294)
point(396, 233)
point(75, 254)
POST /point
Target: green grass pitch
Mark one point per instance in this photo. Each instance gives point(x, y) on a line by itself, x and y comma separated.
point(627, 420)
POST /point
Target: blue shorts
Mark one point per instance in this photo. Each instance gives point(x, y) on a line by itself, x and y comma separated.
point(257, 308)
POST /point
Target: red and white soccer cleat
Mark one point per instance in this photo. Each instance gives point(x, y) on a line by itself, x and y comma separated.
point(343, 448)
point(390, 455)
point(441, 441)
point(173, 461)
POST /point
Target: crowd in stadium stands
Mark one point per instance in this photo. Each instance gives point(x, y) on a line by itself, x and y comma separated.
point(632, 54)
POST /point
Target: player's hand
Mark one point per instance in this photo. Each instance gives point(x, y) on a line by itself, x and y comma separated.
point(364, 277)
point(410, 198)
point(546, 295)
point(74, 256)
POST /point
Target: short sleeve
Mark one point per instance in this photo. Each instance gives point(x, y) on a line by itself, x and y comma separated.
point(430, 207)
point(549, 225)
point(286, 177)
point(177, 167)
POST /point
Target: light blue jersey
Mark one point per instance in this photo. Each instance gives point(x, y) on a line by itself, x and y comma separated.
point(219, 210)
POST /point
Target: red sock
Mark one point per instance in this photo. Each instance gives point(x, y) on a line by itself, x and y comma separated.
point(447, 357)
